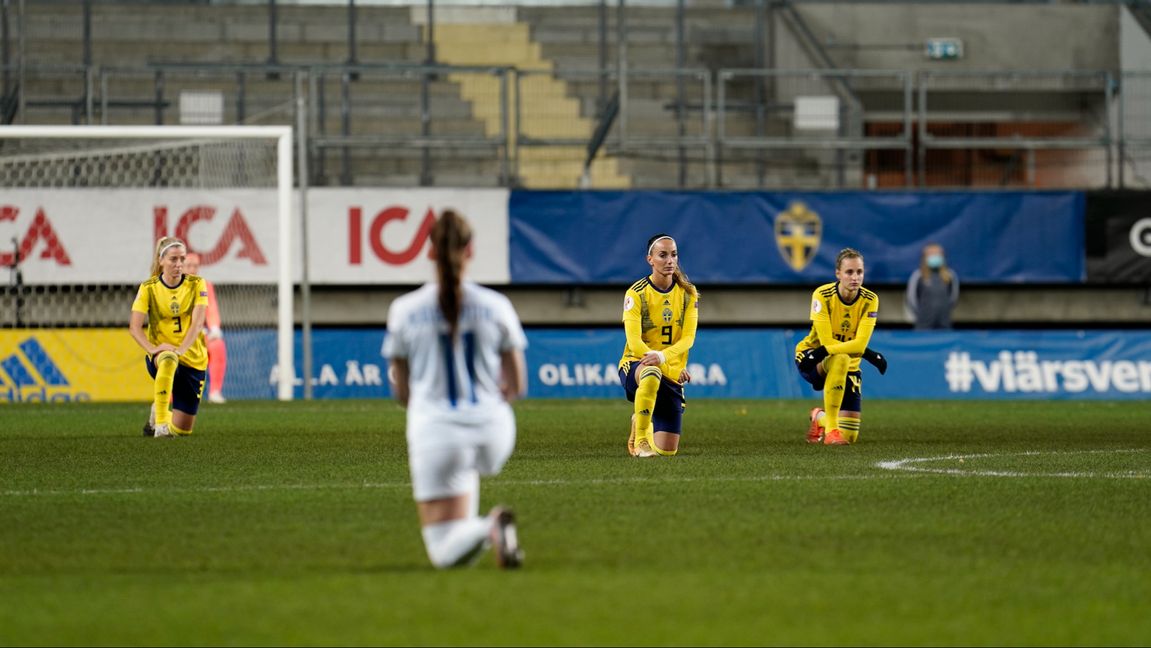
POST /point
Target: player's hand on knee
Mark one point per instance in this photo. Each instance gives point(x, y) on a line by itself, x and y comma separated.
point(652, 359)
point(812, 357)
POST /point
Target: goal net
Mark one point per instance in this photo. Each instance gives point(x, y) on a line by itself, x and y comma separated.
point(80, 211)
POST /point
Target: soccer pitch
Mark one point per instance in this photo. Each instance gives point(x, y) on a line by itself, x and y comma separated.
point(950, 523)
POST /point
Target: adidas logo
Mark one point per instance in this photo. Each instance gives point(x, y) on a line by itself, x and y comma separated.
point(30, 375)
point(645, 412)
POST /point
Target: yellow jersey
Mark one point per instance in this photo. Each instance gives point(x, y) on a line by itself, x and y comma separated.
point(840, 326)
point(656, 320)
point(169, 311)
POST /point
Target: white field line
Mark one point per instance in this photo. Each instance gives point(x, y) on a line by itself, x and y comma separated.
point(405, 484)
point(898, 469)
point(914, 465)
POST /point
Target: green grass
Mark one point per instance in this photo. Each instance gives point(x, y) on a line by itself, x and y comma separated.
point(294, 524)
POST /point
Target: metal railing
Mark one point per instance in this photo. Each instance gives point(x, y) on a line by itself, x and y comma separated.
point(1134, 137)
point(821, 112)
point(1066, 140)
point(687, 128)
point(412, 109)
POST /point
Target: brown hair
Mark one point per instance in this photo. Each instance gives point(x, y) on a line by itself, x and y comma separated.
point(450, 238)
point(161, 246)
point(847, 253)
point(679, 276)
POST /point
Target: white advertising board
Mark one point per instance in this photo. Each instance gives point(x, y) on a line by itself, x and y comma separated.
point(355, 236)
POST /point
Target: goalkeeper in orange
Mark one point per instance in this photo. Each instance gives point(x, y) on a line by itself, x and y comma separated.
point(843, 316)
point(660, 315)
point(213, 335)
point(167, 318)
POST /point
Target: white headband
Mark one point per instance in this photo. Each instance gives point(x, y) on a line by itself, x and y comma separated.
point(649, 248)
point(165, 248)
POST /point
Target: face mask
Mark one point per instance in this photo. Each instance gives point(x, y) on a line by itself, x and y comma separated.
point(935, 261)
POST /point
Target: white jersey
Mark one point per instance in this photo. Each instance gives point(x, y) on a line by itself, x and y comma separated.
point(460, 380)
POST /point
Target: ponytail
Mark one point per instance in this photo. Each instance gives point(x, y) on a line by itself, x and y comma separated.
point(161, 247)
point(450, 238)
point(681, 280)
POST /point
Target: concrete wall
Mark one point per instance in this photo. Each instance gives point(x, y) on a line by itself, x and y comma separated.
point(600, 306)
point(1134, 44)
point(979, 307)
point(995, 36)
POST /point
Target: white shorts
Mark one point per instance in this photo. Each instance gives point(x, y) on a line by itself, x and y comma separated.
point(447, 457)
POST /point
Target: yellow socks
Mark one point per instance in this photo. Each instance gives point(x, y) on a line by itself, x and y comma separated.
point(166, 362)
point(833, 388)
point(648, 381)
point(849, 428)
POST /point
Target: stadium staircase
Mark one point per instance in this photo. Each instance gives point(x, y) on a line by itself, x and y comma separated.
point(547, 111)
point(715, 39)
point(559, 97)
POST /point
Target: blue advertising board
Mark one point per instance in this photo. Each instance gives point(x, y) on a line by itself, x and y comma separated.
point(599, 237)
point(757, 363)
point(346, 364)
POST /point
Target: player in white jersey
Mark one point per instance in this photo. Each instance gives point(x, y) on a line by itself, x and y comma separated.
point(455, 353)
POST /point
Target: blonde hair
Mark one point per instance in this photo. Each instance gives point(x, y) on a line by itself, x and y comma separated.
point(847, 253)
point(161, 247)
point(679, 276)
point(450, 238)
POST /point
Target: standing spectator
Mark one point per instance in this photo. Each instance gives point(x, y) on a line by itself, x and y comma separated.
point(932, 290)
point(456, 361)
point(217, 351)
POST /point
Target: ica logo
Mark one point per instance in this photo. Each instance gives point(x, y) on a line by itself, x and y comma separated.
point(375, 235)
point(236, 233)
point(40, 234)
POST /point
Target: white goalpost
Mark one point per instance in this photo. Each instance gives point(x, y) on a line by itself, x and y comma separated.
point(80, 210)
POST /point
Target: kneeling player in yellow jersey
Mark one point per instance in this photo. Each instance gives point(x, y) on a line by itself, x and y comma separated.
point(167, 318)
point(660, 314)
point(843, 316)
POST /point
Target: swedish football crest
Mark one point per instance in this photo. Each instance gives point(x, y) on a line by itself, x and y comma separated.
point(798, 231)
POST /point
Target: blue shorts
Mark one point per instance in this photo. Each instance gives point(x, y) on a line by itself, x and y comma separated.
point(187, 386)
point(852, 398)
point(669, 400)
